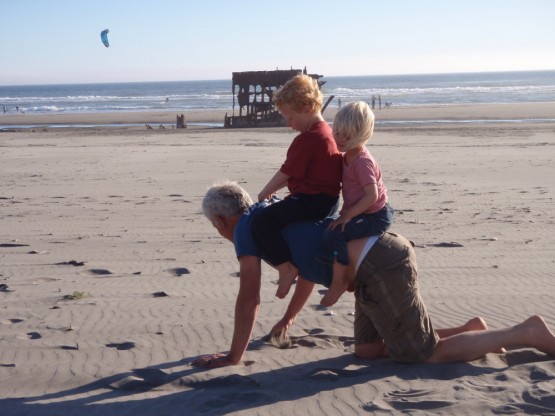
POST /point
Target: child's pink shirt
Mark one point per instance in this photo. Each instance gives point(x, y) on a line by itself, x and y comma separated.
point(362, 171)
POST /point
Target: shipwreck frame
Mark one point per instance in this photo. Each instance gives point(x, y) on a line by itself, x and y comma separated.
point(252, 92)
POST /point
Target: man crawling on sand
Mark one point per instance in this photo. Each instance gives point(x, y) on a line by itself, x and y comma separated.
point(390, 317)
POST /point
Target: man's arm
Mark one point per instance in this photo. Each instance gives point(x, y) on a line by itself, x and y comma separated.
point(247, 307)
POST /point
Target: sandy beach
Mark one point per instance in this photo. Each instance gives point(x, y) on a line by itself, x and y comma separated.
point(112, 281)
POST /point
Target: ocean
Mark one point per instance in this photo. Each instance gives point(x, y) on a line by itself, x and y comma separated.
point(180, 96)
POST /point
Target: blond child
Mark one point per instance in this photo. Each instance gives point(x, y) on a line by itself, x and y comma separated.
point(311, 172)
point(365, 210)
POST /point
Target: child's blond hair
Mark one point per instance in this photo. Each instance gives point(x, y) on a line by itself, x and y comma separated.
point(300, 92)
point(354, 122)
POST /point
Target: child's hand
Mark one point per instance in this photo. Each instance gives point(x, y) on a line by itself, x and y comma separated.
point(340, 221)
point(263, 196)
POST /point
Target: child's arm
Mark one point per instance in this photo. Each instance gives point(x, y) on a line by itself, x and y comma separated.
point(368, 199)
point(275, 184)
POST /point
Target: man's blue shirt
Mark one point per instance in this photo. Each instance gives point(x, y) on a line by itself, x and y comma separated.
point(304, 240)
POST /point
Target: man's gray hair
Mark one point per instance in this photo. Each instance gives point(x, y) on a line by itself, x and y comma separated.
point(225, 198)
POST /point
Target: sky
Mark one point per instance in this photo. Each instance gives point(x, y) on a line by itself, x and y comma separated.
point(58, 41)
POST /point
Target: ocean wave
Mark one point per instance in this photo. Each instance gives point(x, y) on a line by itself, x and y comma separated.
point(406, 90)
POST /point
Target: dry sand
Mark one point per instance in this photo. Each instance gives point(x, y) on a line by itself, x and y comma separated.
point(112, 216)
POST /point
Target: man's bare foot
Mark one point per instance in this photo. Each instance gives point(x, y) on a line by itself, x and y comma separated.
point(287, 275)
point(539, 335)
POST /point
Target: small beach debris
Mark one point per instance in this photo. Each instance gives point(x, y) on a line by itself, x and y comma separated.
point(69, 347)
point(330, 313)
point(70, 263)
point(489, 239)
point(11, 245)
point(4, 288)
point(75, 295)
point(445, 244)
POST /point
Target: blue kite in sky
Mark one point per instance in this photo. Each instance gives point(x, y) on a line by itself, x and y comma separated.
point(104, 37)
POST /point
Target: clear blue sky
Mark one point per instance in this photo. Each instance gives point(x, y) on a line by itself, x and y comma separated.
point(58, 41)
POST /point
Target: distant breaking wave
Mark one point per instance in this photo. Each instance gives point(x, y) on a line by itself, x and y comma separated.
point(180, 96)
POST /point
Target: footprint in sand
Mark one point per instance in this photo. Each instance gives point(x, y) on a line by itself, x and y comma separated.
point(179, 271)
point(142, 380)
point(99, 272)
point(159, 295)
point(122, 345)
point(11, 321)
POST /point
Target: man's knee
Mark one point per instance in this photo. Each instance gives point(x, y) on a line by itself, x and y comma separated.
point(370, 351)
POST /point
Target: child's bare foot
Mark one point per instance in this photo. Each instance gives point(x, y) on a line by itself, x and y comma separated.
point(330, 298)
point(334, 293)
point(287, 275)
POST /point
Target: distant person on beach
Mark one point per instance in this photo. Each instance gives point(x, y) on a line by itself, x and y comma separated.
point(365, 210)
point(390, 317)
point(311, 172)
point(373, 102)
